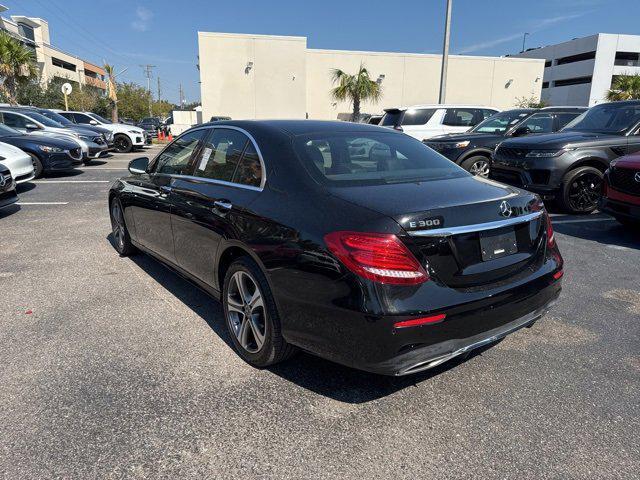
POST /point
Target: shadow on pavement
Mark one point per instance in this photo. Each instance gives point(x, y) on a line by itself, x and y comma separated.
point(602, 229)
point(308, 371)
point(25, 187)
point(9, 210)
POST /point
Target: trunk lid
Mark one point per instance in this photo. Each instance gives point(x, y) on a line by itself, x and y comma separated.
point(460, 227)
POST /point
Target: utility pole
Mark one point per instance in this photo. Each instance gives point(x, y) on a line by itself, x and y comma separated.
point(181, 96)
point(445, 54)
point(524, 39)
point(147, 72)
point(158, 87)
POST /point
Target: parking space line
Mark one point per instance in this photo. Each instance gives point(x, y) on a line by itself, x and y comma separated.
point(584, 220)
point(88, 169)
point(41, 203)
point(72, 181)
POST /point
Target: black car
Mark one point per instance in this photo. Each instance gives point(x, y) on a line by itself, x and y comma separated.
point(568, 166)
point(351, 241)
point(151, 128)
point(8, 194)
point(472, 150)
point(49, 154)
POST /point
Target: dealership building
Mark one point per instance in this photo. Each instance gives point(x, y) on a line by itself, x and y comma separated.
point(265, 76)
point(580, 71)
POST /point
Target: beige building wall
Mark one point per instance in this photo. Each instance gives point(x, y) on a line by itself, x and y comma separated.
point(288, 80)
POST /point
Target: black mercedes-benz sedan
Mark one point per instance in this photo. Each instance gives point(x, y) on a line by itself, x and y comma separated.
point(351, 241)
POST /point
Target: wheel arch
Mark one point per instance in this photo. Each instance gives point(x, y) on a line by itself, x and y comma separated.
point(594, 162)
point(476, 152)
point(230, 252)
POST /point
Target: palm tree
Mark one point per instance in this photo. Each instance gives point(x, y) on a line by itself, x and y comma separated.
point(15, 61)
point(624, 87)
point(111, 91)
point(355, 88)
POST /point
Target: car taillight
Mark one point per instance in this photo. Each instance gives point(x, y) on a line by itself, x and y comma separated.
point(551, 241)
point(377, 256)
point(415, 322)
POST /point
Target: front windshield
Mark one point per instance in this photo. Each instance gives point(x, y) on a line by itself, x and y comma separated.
point(372, 158)
point(98, 118)
point(47, 122)
point(8, 131)
point(57, 118)
point(610, 118)
point(500, 122)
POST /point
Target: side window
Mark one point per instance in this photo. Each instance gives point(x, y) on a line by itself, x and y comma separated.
point(175, 158)
point(249, 171)
point(68, 116)
point(539, 123)
point(14, 121)
point(459, 117)
point(419, 116)
point(487, 113)
point(81, 118)
point(564, 118)
point(220, 154)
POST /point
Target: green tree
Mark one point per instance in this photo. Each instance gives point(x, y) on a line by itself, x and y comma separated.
point(133, 101)
point(624, 87)
point(15, 61)
point(85, 98)
point(530, 102)
point(162, 108)
point(31, 91)
point(355, 88)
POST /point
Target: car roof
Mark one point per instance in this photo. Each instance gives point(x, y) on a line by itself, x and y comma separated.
point(441, 105)
point(298, 127)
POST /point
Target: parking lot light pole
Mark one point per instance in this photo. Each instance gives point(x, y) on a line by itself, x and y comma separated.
point(445, 54)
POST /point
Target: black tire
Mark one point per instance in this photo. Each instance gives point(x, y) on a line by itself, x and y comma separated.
point(477, 165)
point(274, 348)
point(122, 143)
point(581, 190)
point(37, 165)
point(119, 231)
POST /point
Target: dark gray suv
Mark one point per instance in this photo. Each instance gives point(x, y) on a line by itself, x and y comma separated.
point(568, 166)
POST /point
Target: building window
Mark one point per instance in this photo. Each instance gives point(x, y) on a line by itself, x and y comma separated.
point(548, 63)
point(576, 58)
point(545, 84)
point(26, 31)
point(627, 59)
point(572, 81)
point(62, 64)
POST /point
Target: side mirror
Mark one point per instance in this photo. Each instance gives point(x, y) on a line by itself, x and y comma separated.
point(31, 126)
point(93, 122)
point(520, 131)
point(139, 165)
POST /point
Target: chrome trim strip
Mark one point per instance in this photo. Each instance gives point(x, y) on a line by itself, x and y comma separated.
point(210, 180)
point(477, 227)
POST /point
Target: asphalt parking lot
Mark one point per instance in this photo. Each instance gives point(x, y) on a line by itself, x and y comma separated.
point(117, 368)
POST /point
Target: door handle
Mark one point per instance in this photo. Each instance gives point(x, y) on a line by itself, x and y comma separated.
point(223, 205)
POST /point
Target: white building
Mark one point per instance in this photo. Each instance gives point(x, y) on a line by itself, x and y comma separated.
point(266, 76)
point(580, 71)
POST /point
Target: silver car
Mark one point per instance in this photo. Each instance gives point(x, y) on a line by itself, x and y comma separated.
point(18, 162)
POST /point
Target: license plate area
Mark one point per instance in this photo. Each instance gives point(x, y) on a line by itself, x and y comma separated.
point(498, 243)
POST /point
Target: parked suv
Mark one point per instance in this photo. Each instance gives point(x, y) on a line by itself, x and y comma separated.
point(426, 121)
point(125, 137)
point(472, 150)
point(621, 190)
point(569, 165)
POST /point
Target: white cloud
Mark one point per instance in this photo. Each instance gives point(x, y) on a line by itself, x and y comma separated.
point(142, 20)
point(535, 26)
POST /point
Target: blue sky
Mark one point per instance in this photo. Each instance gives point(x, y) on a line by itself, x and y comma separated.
point(164, 33)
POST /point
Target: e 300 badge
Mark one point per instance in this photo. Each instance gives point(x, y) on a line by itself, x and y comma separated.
point(432, 222)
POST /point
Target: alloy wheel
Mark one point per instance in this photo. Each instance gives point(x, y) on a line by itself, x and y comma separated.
point(117, 224)
point(120, 144)
point(480, 168)
point(246, 312)
point(584, 192)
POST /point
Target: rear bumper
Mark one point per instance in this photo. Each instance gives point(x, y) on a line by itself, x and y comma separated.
point(371, 343)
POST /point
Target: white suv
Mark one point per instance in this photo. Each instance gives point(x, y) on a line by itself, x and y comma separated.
point(125, 137)
point(426, 121)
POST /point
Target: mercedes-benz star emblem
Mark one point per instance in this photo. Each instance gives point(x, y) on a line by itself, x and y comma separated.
point(505, 209)
point(636, 177)
point(3, 181)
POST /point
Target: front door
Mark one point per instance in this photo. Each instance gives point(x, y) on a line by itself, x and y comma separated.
point(151, 202)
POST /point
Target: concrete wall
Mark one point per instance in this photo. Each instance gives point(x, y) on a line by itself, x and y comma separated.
point(288, 80)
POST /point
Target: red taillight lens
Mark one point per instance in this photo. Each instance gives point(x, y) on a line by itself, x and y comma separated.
point(414, 322)
point(558, 275)
point(377, 256)
point(551, 241)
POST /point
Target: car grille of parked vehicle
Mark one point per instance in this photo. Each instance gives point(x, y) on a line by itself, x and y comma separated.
point(510, 177)
point(438, 147)
point(76, 153)
point(99, 140)
point(624, 180)
point(511, 152)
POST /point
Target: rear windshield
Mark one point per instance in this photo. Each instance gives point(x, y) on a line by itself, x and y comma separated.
point(412, 116)
point(371, 158)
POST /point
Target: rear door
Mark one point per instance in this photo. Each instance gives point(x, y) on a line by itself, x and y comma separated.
point(459, 120)
point(213, 204)
point(150, 199)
